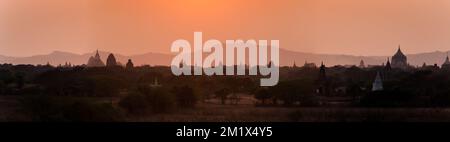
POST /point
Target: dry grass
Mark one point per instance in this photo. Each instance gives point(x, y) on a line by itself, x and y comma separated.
point(221, 113)
point(247, 112)
point(371, 115)
point(10, 110)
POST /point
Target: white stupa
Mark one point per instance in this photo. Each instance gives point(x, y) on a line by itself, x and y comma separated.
point(378, 83)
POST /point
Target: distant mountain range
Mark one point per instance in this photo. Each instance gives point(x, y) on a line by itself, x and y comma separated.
point(287, 58)
point(60, 57)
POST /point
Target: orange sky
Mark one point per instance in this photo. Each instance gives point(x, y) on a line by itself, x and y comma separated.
point(357, 27)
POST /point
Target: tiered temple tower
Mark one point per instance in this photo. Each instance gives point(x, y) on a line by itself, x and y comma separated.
point(399, 60)
point(95, 61)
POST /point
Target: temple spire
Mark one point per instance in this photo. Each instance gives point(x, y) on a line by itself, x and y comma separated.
point(362, 64)
point(447, 59)
point(97, 55)
point(388, 65)
point(399, 50)
point(322, 73)
point(95, 61)
point(446, 64)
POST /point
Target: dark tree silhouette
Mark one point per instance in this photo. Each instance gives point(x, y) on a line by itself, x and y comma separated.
point(263, 95)
point(222, 94)
point(185, 96)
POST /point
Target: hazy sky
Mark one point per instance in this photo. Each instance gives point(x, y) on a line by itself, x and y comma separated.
point(358, 27)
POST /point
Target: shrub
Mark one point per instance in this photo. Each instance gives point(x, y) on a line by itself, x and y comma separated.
point(89, 111)
point(185, 96)
point(263, 95)
point(135, 104)
point(144, 101)
point(161, 101)
point(223, 95)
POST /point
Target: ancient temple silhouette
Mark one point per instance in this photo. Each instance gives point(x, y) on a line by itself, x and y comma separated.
point(322, 73)
point(111, 61)
point(388, 66)
point(362, 64)
point(130, 64)
point(309, 65)
point(95, 61)
point(446, 64)
point(323, 82)
point(377, 85)
point(399, 60)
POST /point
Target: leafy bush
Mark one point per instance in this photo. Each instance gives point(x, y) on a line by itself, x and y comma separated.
point(185, 96)
point(148, 100)
point(88, 111)
point(263, 95)
point(223, 95)
point(161, 101)
point(295, 92)
point(135, 104)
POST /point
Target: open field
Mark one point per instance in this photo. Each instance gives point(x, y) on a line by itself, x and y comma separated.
point(248, 113)
point(10, 110)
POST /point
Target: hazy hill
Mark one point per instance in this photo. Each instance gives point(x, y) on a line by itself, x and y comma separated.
point(287, 58)
point(59, 57)
point(5, 59)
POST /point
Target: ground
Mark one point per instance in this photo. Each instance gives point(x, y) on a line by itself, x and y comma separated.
point(212, 111)
point(246, 113)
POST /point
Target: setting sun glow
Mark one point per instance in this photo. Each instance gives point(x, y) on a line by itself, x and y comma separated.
point(131, 27)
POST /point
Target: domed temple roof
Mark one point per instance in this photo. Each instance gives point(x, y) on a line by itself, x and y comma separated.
point(399, 53)
point(95, 61)
point(111, 60)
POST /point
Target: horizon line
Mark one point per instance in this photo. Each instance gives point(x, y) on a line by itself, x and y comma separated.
point(168, 53)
